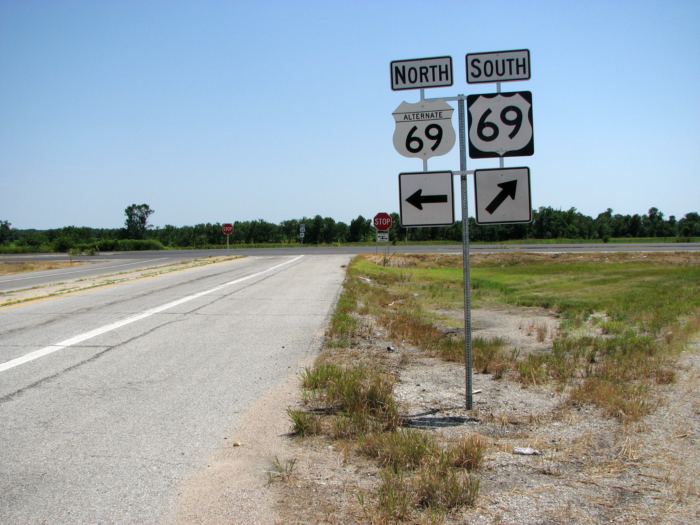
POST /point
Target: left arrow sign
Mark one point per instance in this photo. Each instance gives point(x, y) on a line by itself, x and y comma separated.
point(426, 198)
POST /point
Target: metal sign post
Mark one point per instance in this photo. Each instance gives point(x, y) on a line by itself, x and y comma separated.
point(465, 257)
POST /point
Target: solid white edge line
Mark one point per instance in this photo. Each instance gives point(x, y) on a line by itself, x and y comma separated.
point(32, 356)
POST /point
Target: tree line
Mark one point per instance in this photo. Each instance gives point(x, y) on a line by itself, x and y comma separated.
point(547, 223)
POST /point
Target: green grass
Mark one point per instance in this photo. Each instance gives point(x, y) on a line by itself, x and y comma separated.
point(625, 317)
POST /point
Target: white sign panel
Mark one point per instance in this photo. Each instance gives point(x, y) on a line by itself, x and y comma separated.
point(424, 129)
point(500, 125)
point(382, 236)
point(426, 198)
point(420, 73)
point(499, 66)
point(502, 195)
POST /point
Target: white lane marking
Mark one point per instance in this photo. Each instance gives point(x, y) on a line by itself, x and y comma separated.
point(118, 324)
point(58, 274)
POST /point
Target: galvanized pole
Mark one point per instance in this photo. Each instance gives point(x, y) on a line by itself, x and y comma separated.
point(465, 254)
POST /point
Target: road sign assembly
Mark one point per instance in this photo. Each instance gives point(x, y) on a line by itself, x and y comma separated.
point(426, 198)
point(502, 196)
point(500, 66)
point(227, 229)
point(420, 73)
point(424, 129)
point(500, 125)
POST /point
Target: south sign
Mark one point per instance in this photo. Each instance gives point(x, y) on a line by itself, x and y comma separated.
point(500, 66)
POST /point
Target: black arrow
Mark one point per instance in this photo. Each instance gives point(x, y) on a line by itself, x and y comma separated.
point(418, 199)
point(507, 190)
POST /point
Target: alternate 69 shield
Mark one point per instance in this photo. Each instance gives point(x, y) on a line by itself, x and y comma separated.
point(424, 129)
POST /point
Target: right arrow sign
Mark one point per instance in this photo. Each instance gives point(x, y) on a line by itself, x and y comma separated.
point(502, 195)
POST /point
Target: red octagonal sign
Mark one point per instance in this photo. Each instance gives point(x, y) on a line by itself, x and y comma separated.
point(227, 228)
point(382, 221)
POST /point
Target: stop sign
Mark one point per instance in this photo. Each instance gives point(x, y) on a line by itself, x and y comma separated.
point(227, 229)
point(382, 221)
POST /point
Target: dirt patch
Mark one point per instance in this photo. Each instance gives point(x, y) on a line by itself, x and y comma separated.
point(235, 486)
point(524, 330)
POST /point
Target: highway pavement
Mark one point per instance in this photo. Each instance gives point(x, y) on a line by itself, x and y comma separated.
point(109, 398)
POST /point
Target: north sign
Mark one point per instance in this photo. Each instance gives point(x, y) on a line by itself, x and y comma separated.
point(426, 198)
point(500, 125)
point(424, 129)
point(420, 73)
point(498, 66)
point(502, 196)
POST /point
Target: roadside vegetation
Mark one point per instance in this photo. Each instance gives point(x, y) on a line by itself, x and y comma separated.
point(624, 319)
point(10, 267)
point(548, 225)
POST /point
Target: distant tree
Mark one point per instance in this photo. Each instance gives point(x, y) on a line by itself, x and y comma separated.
point(327, 233)
point(360, 229)
point(689, 226)
point(289, 230)
point(342, 231)
point(5, 231)
point(137, 220)
point(603, 225)
point(313, 230)
point(653, 222)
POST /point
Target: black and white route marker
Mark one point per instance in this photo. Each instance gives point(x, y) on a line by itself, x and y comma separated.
point(502, 196)
point(424, 129)
point(426, 198)
point(500, 125)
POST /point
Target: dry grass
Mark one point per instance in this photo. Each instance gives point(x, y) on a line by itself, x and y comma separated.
point(9, 268)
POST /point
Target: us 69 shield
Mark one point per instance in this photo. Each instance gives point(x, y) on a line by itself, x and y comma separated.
point(424, 129)
point(500, 125)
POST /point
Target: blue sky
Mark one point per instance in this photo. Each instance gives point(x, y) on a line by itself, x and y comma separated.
point(222, 111)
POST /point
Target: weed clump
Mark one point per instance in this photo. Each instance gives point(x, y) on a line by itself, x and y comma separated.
point(303, 423)
point(360, 399)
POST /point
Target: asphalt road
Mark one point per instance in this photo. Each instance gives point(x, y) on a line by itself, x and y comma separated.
point(111, 397)
point(106, 263)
